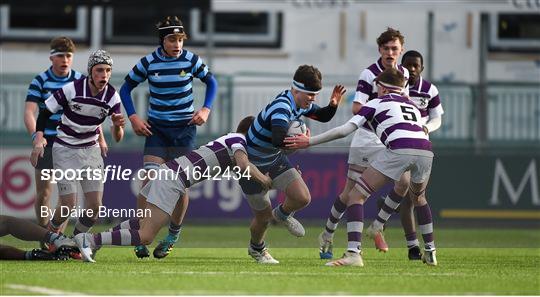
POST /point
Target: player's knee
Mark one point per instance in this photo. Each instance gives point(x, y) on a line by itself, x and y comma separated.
point(419, 200)
point(304, 198)
point(401, 188)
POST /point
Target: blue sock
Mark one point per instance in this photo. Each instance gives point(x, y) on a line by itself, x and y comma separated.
point(282, 214)
point(174, 231)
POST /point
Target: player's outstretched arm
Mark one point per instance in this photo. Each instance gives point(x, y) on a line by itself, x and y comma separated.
point(304, 141)
point(242, 161)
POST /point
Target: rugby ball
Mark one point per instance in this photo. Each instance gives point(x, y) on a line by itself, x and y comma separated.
point(296, 127)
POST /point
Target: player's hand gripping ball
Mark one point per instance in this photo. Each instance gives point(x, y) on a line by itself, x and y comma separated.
point(296, 127)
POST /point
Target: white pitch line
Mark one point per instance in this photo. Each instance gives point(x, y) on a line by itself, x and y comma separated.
point(279, 273)
point(40, 290)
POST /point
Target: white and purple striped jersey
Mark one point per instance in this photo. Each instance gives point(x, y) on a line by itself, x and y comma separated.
point(396, 121)
point(426, 97)
point(214, 158)
point(366, 90)
point(83, 113)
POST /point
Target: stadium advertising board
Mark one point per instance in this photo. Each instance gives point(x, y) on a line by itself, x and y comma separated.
point(498, 187)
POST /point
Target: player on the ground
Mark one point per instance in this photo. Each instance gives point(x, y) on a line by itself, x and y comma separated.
point(42, 86)
point(426, 97)
point(265, 141)
point(396, 121)
point(26, 230)
point(171, 127)
point(86, 104)
point(225, 154)
point(365, 145)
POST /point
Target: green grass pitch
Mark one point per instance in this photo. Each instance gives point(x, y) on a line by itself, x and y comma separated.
point(212, 260)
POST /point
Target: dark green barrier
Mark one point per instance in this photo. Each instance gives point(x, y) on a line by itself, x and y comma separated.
point(487, 186)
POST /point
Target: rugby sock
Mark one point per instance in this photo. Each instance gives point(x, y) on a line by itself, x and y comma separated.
point(281, 214)
point(425, 224)
point(118, 237)
point(83, 225)
point(174, 230)
point(412, 240)
point(258, 247)
point(128, 224)
point(333, 218)
point(53, 227)
point(50, 237)
point(391, 203)
point(355, 225)
point(28, 255)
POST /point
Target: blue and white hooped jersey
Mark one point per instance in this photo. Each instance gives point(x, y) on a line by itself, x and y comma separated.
point(42, 87)
point(280, 112)
point(170, 83)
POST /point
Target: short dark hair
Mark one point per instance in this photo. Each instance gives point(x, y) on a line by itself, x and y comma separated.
point(389, 35)
point(244, 124)
point(391, 76)
point(412, 54)
point(62, 44)
point(310, 76)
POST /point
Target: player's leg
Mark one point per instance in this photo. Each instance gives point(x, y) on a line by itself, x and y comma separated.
point(297, 196)
point(92, 189)
point(262, 215)
point(392, 166)
point(67, 200)
point(150, 226)
point(389, 205)
point(43, 198)
point(152, 163)
point(165, 246)
point(355, 225)
point(336, 212)
point(407, 216)
point(161, 197)
point(64, 159)
point(133, 223)
point(419, 180)
point(28, 231)
point(92, 202)
point(181, 140)
point(370, 181)
point(11, 253)
point(406, 212)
